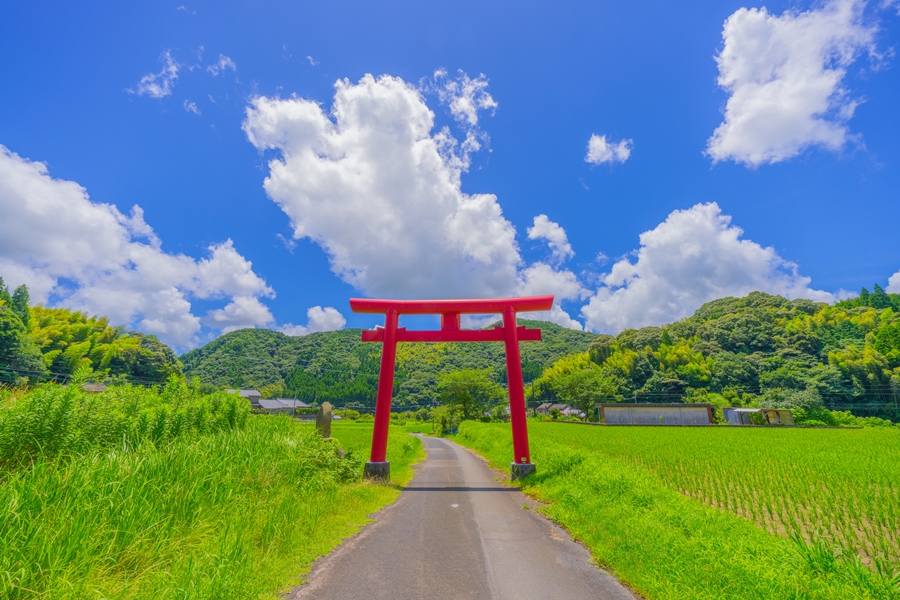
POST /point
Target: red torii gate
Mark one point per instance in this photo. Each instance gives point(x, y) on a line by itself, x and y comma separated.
point(450, 310)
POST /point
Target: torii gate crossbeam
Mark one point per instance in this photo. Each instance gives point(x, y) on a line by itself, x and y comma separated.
point(450, 310)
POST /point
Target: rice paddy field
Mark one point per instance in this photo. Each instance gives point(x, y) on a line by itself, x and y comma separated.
point(138, 493)
point(722, 512)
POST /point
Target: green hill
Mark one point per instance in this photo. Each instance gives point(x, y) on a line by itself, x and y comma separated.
point(336, 366)
point(759, 350)
point(38, 343)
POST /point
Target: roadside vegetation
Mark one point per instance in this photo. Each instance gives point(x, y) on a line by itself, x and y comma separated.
point(760, 350)
point(173, 493)
point(38, 343)
point(721, 512)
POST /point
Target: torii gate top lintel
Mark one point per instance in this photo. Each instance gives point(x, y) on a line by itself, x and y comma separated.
point(450, 331)
point(450, 311)
point(485, 306)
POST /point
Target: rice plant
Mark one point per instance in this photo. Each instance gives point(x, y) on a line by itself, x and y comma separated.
point(722, 512)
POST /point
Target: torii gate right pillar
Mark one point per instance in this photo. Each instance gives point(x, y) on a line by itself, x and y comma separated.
point(522, 465)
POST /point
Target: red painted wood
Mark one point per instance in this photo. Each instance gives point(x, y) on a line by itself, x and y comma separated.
point(516, 388)
point(462, 335)
point(483, 306)
point(450, 322)
point(385, 388)
point(450, 311)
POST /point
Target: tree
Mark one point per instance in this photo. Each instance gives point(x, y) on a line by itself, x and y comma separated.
point(469, 391)
point(148, 361)
point(18, 355)
point(879, 299)
point(20, 305)
point(5, 298)
point(601, 348)
point(585, 388)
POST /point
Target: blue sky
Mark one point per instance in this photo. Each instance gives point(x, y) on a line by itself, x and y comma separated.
point(179, 109)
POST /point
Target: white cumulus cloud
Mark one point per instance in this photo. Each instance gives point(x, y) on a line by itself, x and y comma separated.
point(601, 150)
point(319, 319)
point(242, 312)
point(540, 279)
point(894, 284)
point(694, 256)
point(159, 85)
point(784, 77)
point(555, 235)
point(91, 257)
point(381, 193)
point(220, 66)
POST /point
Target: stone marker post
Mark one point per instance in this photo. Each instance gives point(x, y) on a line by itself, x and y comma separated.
point(323, 420)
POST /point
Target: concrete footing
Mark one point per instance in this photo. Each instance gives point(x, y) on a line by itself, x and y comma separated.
point(520, 470)
point(378, 470)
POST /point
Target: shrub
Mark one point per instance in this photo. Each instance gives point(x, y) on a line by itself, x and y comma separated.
point(53, 419)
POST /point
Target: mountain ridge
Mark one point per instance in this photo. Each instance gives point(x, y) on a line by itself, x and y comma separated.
point(337, 365)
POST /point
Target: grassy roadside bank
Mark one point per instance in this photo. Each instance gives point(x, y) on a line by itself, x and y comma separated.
point(237, 511)
point(658, 540)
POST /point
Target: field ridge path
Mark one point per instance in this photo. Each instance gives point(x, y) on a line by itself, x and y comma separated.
point(456, 533)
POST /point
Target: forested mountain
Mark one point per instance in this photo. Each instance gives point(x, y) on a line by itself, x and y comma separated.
point(758, 350)
point(39, 343)
point(338, 367)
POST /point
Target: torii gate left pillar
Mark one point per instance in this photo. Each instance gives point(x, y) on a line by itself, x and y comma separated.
point(450, 310)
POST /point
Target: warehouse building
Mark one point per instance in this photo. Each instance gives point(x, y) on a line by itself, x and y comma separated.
point(656, 414)
point(767, 416)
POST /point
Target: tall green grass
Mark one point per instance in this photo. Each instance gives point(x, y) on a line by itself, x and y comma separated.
point(232, 512)
point(55, 420)
point(666, 544)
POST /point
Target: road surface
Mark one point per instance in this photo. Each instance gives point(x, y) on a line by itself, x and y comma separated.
point(455, 533)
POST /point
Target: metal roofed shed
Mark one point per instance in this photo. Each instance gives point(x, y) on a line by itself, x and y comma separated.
point(281, 405)
point(252, 395)
point(769, 416)
point(564, 409)
point(656, 414)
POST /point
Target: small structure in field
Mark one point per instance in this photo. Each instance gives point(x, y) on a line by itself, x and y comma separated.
point(656, 414)
point(252, 395)
point(564, 409)
point(768, 416)
point(281, 405)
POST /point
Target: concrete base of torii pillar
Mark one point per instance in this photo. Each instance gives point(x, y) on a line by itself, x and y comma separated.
point(377, 470)
point(520, 470)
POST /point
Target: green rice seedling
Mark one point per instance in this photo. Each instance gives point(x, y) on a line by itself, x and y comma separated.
point(818, 556)
point(779, 487)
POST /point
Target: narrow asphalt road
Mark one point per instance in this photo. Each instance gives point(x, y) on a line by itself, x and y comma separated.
point(456, 533)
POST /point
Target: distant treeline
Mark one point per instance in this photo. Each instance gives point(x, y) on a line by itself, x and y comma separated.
point(39, 343)
point(336, 366)
point(759, 350)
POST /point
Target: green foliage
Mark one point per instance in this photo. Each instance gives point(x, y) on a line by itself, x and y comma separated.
point(68, 339)
point(470, 391)
point(37, 342)
point(53, 420)
point(721, 512)
point(752, 350)
point(584, 388)
point(242, 513)
point(336, 366)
